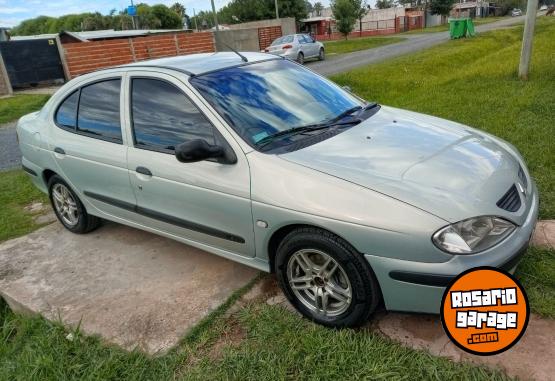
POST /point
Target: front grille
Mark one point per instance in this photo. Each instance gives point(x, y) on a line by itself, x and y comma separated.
point(510, 201)
point(522, 177)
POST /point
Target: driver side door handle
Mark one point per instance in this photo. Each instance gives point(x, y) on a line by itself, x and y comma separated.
point(143, 171)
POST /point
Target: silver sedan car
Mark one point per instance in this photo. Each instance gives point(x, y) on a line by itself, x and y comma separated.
point(258, 159)
point(297, 47)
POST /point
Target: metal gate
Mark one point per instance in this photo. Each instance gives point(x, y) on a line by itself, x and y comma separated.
point(29, 62)
point(403, 23)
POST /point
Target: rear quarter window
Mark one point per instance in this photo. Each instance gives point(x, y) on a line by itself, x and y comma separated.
point(66, 116)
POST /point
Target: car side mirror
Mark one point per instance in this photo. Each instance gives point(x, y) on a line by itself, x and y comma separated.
point(195, 150)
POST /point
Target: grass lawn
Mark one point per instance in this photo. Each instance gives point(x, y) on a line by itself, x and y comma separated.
point(354, 44)
point(13, 108)
point(537, 275)
point(473, 81)
point(16, 192)
point(445, 27)
point(259, 342)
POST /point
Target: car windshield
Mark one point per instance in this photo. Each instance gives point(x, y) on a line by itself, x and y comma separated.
point(283, 40)
point(266, 98)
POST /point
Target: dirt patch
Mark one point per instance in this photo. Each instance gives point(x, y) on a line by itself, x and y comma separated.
point(231, 337)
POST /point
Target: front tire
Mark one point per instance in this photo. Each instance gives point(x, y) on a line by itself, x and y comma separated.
point(326, 279)
point(321, 55)
point(300, 58)
point(68, 208)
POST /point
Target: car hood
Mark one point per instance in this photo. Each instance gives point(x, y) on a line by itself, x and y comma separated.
point(442, 167)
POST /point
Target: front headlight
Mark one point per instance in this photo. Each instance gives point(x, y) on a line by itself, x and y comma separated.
point(472, 235)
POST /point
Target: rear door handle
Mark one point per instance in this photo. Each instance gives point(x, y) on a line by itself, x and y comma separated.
point(143, 171)
point(59, 150)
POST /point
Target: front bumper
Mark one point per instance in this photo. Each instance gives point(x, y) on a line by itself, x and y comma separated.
point(419, 287)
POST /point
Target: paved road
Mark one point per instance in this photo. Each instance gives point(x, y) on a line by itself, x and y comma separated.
point(10, 157)
point(414, 43)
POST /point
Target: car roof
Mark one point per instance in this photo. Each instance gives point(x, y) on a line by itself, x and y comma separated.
point(196, 64)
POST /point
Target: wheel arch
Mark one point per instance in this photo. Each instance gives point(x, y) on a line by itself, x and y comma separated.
point(283, 231)
point(47, 175)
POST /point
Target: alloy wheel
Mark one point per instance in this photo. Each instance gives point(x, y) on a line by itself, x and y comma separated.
point(319, 282)
point(65, 204)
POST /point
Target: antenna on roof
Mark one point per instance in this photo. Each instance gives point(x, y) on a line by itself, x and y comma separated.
point(236, 52)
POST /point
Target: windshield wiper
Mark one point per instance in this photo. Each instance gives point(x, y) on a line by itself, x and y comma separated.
point(311, 127)
point(342, 115)
point(292, 131)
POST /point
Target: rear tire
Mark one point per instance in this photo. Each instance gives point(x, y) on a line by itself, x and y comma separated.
point(300, 58)
point(321, 55)
point(326, 279)
point(69, 209)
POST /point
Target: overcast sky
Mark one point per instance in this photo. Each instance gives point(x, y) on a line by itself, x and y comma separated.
point(12, 12)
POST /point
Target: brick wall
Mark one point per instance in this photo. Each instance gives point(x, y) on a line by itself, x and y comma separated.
point(267, 35)
point(84, 57)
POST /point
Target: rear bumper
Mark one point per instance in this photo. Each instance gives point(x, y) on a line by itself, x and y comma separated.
point(290, 54)
point(419, 287)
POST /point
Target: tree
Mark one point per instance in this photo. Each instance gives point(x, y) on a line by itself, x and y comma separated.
point(384, 4)
point(345, 13)
point(168, 19)
point(290, 8)
point(245, 10)
point(179, 9)
point(253, 10)
point(309, 7)
point(441, 7)
point(317, 9)
point(362, 10)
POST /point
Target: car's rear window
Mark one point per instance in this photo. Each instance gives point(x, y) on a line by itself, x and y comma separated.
point(283, 40)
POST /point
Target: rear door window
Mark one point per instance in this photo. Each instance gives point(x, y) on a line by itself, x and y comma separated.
point(283, 40)
point(164, 117)
point(99, 110)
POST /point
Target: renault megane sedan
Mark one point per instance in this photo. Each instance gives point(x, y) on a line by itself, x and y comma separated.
point(258, 159)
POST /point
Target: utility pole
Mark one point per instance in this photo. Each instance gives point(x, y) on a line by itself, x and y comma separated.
point(216, 16)
point(133, 18)
point(277, 11)
point(527, 39)
point(195, 17)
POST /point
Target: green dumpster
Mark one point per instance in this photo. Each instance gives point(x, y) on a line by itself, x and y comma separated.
point(461, 27)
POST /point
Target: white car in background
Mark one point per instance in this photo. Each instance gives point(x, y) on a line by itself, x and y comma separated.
point(297, 47)
point(516, 12)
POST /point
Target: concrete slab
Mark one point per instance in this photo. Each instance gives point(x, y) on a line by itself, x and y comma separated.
point(530, 359)
point(134, 289)
point(544, 234)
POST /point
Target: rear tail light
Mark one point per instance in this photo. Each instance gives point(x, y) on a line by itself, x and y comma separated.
point(287, 46)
